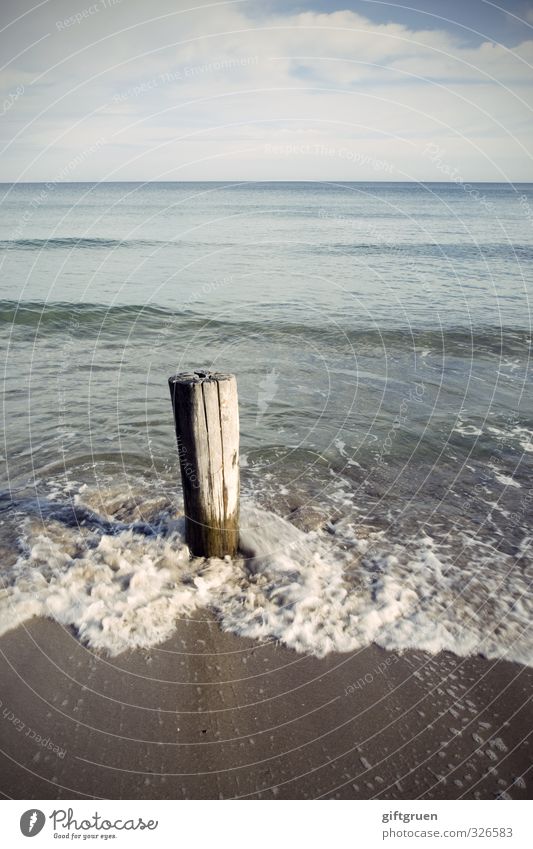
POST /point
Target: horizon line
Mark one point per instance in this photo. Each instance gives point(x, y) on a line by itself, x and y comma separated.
point(236, 180)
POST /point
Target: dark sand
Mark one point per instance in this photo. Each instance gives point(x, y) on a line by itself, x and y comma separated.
point(209, 715)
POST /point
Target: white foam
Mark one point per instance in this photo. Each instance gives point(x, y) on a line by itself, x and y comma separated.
point(522, 435)
point(124, 593)
point(525, 438)
point(466, 429)
point(340, 446)
point(506, 480)
point(314, 592)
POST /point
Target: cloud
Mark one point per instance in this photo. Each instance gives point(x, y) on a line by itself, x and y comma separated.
point(207, 93)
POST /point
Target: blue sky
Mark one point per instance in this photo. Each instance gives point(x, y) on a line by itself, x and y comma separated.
point(506, 22)
point(357, 90)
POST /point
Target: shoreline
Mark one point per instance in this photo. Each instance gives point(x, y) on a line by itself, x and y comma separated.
point(209, 715)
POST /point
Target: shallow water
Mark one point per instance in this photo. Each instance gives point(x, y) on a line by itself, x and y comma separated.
point(381, 338)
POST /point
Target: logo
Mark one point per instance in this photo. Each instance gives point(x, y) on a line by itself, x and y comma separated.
point(32, 822)
point(266, 391)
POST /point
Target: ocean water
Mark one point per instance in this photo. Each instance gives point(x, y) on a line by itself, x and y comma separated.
point(381, 338)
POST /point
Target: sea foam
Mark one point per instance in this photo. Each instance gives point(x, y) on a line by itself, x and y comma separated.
point(318, 592)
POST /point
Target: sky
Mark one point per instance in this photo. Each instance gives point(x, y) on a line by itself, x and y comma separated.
point(272, 90)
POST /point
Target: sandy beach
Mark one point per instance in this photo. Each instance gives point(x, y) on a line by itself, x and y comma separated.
point(266, 432)
point(210, 715)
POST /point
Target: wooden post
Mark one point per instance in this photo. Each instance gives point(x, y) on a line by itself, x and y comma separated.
point(206, 415)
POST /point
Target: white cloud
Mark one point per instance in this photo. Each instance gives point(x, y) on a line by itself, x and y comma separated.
point(221, 86)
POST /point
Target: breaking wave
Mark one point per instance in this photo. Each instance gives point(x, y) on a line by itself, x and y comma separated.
point(335, 589)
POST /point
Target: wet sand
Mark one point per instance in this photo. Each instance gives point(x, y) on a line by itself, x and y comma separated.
point(209, 715)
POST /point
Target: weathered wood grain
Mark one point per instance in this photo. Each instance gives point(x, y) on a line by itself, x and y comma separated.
point(206, 416)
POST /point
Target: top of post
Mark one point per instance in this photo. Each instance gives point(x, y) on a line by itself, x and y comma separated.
point(199, 376)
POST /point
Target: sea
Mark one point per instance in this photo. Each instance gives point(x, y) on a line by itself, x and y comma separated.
point(381, 338)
